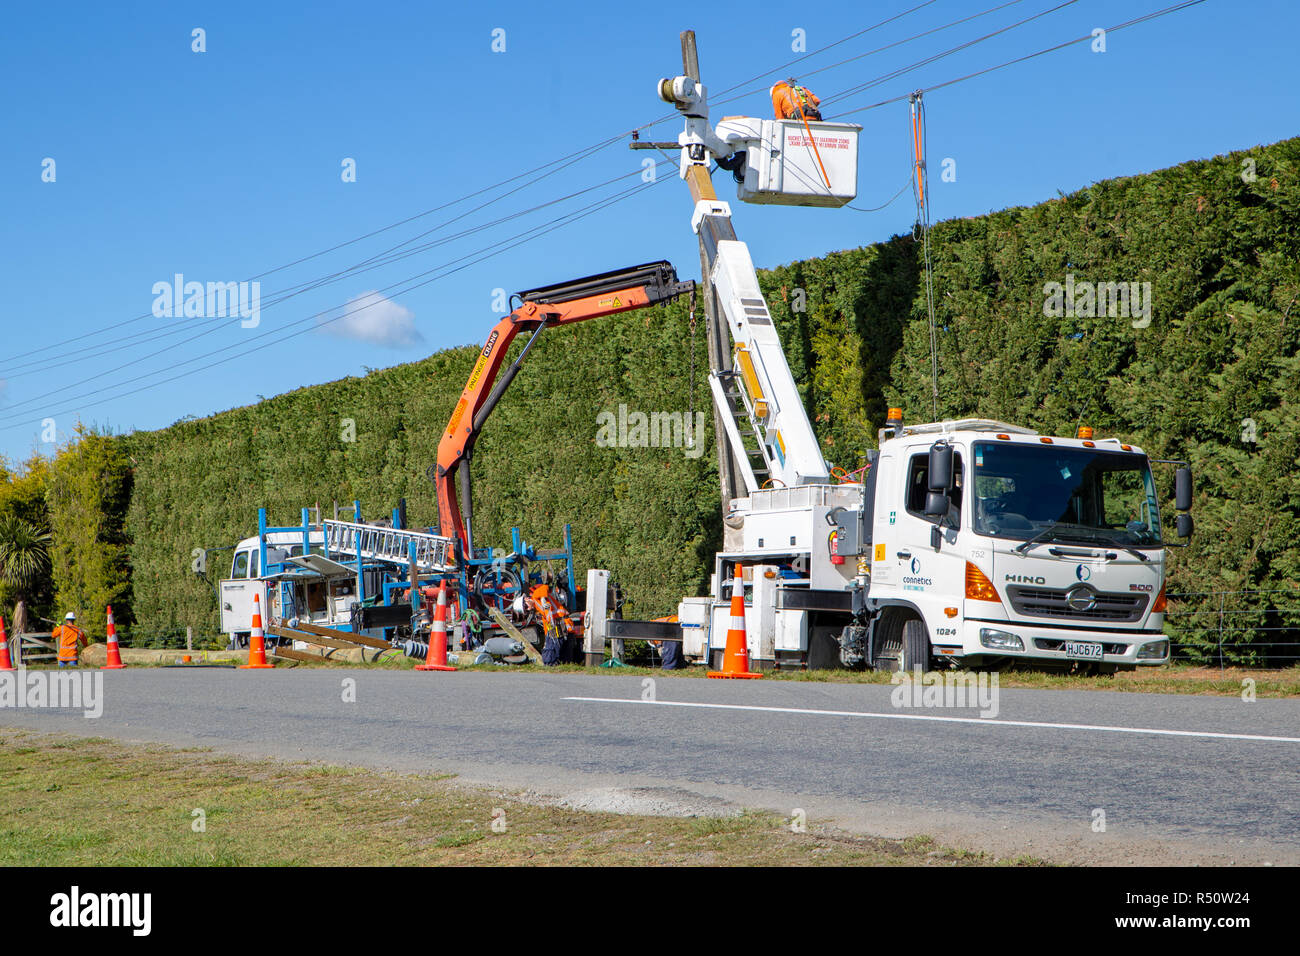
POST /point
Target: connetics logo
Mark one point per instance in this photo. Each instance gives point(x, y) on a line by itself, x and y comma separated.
point(914, 581)
point(76, 909)
point(53, 690)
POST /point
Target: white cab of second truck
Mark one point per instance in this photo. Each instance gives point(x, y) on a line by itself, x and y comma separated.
point(322, 592)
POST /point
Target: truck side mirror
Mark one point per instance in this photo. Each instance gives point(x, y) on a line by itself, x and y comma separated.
point(940, 478)
point(936, 505)
point(1182, 488)
point(1185, 525)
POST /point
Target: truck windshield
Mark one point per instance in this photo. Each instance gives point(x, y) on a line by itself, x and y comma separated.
point(1083, 495)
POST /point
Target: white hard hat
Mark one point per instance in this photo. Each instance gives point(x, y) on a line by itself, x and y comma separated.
point(69, 616)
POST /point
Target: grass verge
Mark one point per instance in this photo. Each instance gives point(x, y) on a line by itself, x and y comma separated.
point(70, 801)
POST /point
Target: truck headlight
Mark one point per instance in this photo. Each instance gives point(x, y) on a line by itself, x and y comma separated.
point(1153, 651)
point(1000, 640)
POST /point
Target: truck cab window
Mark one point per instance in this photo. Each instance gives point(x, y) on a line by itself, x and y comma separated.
point(918, 484)
point(240, 568)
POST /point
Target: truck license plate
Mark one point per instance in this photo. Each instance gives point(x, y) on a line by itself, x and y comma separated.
point(1083, 650)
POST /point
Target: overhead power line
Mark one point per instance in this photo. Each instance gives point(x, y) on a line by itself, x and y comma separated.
point(894, 74)
point(818, 52)
point(567, 159)
point(1029, 56)
point(804, 74)
point(210, 326)
point(553, 166)
point(276, 336)
point(404, 249)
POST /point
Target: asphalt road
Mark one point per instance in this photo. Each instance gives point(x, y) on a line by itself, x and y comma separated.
point(1217, 782)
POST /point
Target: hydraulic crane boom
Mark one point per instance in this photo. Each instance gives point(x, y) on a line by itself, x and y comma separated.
point(562, 304)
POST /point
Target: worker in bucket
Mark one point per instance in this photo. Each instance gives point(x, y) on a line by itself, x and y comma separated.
point(792, 101)
point(69, 639)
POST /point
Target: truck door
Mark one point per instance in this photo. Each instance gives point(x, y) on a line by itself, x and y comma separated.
point(236, 594)
point(929, 579)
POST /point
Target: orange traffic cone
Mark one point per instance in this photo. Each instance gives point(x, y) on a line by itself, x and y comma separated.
point(5, 663)
point(735, 659)
point(114, 655)
point(256, 640)
point(437, 656)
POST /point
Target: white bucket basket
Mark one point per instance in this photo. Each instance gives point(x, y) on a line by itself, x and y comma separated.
point(785, 166)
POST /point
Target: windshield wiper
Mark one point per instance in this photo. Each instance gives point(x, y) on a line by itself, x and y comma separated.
point(1108, 542)
point(1044, 535)
point(1057, 532)
point(1133, 551)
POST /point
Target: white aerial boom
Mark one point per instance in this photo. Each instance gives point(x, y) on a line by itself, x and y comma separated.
point(768, 434)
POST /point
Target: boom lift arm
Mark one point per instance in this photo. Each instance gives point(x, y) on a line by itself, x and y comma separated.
point(758, 402)
point(565, 303)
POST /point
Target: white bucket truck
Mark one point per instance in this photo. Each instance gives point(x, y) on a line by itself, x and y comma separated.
point(968, 541)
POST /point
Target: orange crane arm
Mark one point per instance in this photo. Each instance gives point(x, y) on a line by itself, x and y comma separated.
point(562, 304)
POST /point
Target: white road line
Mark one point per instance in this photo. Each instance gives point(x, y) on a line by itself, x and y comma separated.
point(983, 721)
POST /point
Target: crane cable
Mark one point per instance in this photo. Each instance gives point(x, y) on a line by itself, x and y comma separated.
point(691, 399)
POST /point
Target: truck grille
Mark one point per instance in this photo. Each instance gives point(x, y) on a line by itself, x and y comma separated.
point(1078, 603)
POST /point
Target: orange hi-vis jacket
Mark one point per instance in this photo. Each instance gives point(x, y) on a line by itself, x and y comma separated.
point(553, 613)
point(795, 102)
point(69, 637)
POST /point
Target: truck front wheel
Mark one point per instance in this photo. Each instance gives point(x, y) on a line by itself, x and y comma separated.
point(902, 644)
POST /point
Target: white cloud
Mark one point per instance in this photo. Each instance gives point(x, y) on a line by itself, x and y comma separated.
point(372, 317)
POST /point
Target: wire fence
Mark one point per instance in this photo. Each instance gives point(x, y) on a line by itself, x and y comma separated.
point(1246, 628)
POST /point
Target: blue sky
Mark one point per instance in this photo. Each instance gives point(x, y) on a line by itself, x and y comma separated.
point(224, 164)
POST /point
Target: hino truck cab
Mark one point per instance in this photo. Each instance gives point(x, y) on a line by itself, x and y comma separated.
point(989, 542)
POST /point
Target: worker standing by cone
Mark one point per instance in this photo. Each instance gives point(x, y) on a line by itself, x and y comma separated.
point(735, 659)
point(69, 639)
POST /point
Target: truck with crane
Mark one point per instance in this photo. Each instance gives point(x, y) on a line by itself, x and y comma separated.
point(971, 541)
point(367, 578)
